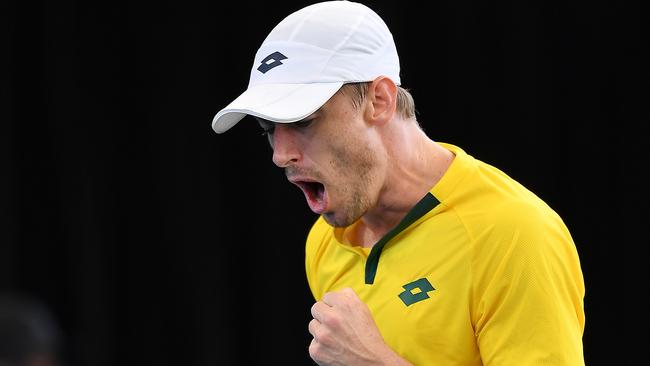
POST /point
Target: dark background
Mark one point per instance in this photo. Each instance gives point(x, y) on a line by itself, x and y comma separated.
point(156, 241)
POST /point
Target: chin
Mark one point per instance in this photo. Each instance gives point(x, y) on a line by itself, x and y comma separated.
point(332, 219)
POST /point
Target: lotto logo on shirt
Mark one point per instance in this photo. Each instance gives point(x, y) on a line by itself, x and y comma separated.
point(416, 291)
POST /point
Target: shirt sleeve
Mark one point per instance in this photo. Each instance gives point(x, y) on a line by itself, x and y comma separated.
point(529, 290)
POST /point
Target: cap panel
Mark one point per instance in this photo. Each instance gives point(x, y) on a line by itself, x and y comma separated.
point(303, 64)
point(308, 56)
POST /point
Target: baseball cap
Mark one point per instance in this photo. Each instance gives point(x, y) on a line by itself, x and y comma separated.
point(307, 57)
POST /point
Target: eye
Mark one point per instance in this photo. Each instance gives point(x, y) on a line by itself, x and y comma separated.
point(267, 126)
point(303, 124)
point(268, 131)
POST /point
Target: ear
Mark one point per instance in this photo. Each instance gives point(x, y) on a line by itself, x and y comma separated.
point(381, 101)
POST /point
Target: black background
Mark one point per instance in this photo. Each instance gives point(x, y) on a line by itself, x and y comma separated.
point(156, 241)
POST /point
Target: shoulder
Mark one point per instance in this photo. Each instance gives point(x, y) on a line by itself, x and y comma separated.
point(317, 239)
point(523, 225)
point(530, 214)
point(319, 231)
point(519, 237)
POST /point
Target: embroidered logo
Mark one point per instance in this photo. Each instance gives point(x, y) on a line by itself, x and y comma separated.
point(271, 61)
point(416, 291)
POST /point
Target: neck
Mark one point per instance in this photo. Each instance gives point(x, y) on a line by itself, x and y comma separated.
point(416, 164)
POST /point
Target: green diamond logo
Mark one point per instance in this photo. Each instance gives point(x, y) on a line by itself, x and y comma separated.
point(416, 291)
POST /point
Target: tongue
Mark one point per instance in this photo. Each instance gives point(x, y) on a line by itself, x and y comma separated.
point(316, 197)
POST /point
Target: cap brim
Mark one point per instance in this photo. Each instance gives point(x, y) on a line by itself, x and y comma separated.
point(282, 103)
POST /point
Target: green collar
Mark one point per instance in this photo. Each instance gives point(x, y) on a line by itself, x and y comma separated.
point(426, 204)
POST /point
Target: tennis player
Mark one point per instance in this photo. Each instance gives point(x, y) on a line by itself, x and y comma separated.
point(422, 254)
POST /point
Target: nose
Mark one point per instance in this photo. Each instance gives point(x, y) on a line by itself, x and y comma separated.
point(286, 149)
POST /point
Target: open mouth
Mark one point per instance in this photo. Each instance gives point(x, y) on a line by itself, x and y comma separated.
point(315, 194)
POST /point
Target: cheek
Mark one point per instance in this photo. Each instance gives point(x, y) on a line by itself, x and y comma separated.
point(345, 155)
point(353, 163)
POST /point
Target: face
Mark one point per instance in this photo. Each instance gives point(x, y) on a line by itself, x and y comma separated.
point(333, 156)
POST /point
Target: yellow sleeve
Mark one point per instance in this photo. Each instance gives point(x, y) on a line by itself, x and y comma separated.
point(529, 290)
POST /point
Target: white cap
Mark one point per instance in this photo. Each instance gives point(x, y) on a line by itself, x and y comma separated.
point(307, 57)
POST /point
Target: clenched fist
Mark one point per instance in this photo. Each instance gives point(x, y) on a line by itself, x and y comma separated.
point(345, 333)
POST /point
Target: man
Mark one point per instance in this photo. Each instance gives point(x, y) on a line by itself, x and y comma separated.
point(422, 254)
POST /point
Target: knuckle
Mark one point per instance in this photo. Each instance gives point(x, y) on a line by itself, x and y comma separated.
point(321, 334)
point(324, 337)
point(327, 297)
point(333, 321)
point(323, 318)
point(312, 326)
point(314, 350)
point(350, 295)
point(327, 318)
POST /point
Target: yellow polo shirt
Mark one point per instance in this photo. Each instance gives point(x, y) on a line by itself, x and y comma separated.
point(480, 272)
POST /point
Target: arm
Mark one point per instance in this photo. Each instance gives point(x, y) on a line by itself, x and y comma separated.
point(529, 290)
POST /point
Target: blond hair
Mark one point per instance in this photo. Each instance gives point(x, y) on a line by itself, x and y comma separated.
point(357, 93)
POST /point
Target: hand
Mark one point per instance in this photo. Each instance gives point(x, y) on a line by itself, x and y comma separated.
point(345, 333)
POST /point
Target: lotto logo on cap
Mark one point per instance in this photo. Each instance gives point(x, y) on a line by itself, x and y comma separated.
point(307, 57)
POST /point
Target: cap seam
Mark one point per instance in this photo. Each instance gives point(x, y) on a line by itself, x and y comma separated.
point(338, 47)
point(302, 23)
